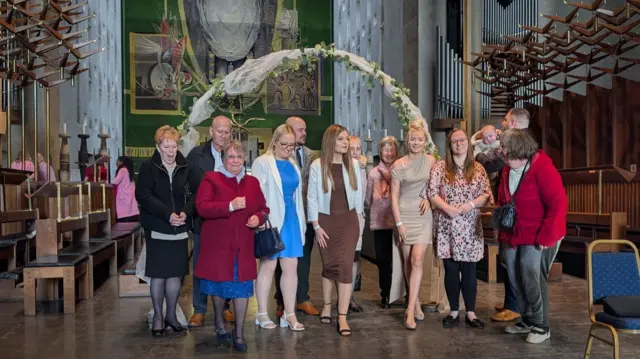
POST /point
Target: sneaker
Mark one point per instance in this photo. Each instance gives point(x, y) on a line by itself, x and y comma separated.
point(505, 316)
point(518, 328)
point(537, 335)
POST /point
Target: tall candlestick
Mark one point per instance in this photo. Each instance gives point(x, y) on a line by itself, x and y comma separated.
point(64, 127)
point(401, 135)
point(84, 128)
point(385, 132)
point(369, 133)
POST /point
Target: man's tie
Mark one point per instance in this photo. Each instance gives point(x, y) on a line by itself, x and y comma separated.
point(299, 157)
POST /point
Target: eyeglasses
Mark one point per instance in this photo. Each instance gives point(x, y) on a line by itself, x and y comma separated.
point(460, 141)
point(289, 146)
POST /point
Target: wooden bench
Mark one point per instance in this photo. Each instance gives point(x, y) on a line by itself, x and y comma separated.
point(584, 228)
point(15, 249)
point(41, 274)
point(68, 268)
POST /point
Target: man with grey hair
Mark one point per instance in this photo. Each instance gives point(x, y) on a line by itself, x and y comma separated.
point(205, 158)
point(303, 156)
point(517, 118)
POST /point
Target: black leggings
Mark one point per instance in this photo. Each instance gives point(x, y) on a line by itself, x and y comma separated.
point(383, 241)
point(453, 284)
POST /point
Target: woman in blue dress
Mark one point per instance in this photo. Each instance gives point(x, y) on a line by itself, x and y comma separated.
point(279, 178)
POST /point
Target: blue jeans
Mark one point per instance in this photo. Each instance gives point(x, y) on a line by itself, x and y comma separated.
point(199, 300)
point(510, 301)
point(529, 268)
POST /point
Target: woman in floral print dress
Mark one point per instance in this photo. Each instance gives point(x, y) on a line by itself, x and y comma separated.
point(458, 187)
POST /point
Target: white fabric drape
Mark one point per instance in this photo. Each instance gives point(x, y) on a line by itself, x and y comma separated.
point(230, 27)
point(253, 73)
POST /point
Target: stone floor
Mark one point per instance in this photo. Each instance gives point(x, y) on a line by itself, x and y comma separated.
point(113, 328)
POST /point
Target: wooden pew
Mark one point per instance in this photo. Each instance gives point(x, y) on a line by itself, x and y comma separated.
point(584, 228)
point(13, 247)
point(50, 266)
point(488, 266)
point(129, 285)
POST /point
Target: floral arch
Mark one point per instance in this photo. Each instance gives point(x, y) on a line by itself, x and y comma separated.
point(253, 73)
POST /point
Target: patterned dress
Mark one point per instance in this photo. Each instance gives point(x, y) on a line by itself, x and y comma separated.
point(461, 238)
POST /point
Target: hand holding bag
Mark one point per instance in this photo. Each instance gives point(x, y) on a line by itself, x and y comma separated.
point(267, 241)
point(504, 217)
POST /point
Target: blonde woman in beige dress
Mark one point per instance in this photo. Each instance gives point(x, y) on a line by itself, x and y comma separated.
point(412, 214)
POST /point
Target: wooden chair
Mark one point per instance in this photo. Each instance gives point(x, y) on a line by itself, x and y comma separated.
point(614, 282)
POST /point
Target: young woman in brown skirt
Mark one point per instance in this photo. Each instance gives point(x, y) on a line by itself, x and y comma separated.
point(334, 201)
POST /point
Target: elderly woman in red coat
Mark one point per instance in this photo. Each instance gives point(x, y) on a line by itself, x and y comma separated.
point(534, 185)
point(232, 206)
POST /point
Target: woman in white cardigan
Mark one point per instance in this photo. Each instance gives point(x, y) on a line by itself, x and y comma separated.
point(280, 182)
point(334, 203)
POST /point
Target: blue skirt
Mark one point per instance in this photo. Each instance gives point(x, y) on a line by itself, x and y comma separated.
point(230, 289)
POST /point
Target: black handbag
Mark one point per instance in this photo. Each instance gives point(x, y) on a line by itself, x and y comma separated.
point(504, 217)
point(267, 241)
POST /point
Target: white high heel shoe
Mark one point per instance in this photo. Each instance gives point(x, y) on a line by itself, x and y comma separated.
point(266, 324)
point(298, 327)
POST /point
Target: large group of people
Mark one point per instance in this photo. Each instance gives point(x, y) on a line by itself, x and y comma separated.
point(428, 210)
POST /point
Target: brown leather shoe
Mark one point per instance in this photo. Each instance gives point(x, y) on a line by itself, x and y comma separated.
point(308, 308)
point(197, 320)
point(229, 315)
point(280, 311)
point(505, 316)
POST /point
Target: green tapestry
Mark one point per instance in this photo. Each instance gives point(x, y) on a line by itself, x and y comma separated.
point(173, 48)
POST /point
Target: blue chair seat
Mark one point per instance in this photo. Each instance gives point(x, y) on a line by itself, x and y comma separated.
point(618, 322)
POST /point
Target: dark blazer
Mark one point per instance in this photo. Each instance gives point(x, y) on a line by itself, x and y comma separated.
point(201, 161)
point(159, 198)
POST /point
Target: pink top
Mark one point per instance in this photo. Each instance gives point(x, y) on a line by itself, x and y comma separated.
point(126, 204)
point(28, 166)
point(42, 172)
point(378, 198)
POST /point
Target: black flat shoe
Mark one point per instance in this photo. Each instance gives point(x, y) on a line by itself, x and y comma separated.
point(176, 328)
point(450, 322)
point(384, 303)
point(475, 324)
point(238, 346)
point(223, 338)
point(157, 333)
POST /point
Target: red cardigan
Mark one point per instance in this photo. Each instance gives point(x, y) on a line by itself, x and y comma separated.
point(225, 234)
point(541, 204)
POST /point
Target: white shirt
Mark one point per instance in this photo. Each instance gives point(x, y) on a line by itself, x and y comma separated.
point(217, 156)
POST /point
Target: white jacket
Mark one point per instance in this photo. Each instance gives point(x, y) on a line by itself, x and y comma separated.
point(320, 202)
point(264, 168)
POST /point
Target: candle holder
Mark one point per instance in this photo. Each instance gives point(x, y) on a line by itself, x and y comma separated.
point(83, 155)
point(65, 158)
point(369, 154)
point(401, 149)
point(104, 151)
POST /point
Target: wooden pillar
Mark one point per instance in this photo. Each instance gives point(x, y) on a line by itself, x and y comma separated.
point(472, 42)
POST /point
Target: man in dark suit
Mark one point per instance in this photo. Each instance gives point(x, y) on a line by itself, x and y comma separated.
point(202, 159)
point(303, 157)
point(494, 162)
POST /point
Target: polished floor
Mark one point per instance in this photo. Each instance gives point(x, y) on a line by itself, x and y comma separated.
point(112, 328)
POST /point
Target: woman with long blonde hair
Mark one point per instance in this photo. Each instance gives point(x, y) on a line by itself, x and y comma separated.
point(412, 215)
point(334, 200)
point(280, 182)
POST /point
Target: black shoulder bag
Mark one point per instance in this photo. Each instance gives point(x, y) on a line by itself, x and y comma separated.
point(267, 241)
point(504, 217)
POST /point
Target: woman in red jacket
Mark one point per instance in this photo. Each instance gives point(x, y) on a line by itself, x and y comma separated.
point(531, 179)
point(232, 206)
